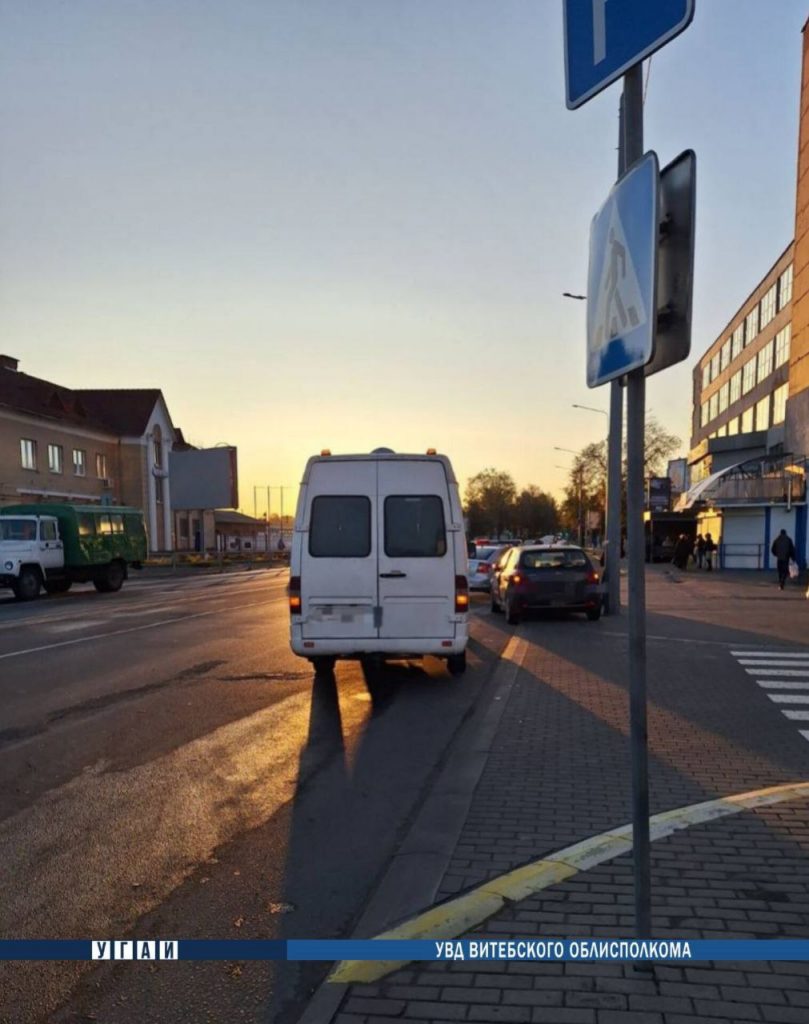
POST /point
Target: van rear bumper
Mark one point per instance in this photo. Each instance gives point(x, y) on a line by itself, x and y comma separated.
point(393, 647)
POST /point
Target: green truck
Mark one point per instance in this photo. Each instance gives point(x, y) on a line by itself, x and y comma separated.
point(54, 546)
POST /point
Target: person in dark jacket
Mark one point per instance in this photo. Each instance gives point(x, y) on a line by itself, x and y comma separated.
point(784, 550)
point(710, 547)
point(682, 550)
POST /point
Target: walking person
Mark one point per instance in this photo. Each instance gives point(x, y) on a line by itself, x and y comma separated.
point(682, 549)
point(699, 550)
point(784, 550)
point(710, 547)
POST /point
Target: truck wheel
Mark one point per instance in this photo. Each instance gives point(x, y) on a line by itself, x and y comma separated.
point(27, 585)
point(112, 580)
point(57, 586)
point(456, 664)
point(323, 665)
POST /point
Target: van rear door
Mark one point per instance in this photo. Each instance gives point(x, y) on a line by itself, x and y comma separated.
point(339, 556)
point(416, 560)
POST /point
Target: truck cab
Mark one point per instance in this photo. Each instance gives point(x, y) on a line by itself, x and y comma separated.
point(31, 555)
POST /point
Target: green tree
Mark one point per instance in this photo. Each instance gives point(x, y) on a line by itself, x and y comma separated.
point(488, 502)
point(535, 513)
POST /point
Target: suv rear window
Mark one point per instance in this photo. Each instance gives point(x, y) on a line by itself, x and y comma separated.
point(414, 526)
point(340, 526)
point(570, 559)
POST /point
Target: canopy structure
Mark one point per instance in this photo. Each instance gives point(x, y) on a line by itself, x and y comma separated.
point(698, 491)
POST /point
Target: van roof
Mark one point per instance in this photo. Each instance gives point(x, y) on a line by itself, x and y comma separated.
point(381, 457)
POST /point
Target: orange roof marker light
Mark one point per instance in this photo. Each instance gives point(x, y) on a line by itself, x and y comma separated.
point(432, 451)
point(325, 451)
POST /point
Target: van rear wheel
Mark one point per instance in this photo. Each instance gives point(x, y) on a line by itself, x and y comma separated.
point(456, 664)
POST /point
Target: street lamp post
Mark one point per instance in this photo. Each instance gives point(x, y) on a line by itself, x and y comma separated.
point(580, 473)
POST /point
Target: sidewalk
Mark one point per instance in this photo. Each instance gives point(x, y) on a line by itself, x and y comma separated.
point(557, 772)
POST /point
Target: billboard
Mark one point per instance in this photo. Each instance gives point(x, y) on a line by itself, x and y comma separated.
point(658, 494)
point(678, 474)
point(204, 478)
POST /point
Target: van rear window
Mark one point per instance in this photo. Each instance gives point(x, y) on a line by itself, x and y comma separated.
point(414, 526)
point(340, 526)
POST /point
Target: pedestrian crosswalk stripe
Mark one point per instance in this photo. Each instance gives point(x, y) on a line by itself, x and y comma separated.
point(788, 698)
point(797, 716)
point(804, 733)
point(777, 671)
point(771, 654)
point(783, 684)
point(772, 663)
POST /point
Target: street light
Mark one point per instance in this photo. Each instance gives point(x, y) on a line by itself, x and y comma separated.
point(580, 472)
point(603, 412)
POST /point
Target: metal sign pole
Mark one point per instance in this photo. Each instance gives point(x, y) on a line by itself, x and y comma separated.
point(635, 433)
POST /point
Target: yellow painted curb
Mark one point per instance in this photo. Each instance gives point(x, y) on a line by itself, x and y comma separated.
point(457, 916)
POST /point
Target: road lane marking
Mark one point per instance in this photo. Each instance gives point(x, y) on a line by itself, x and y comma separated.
point(770, 654)
point(460, 915)
point(788, 698)
point(798, 716)
point(776, 663)
point(121, 632)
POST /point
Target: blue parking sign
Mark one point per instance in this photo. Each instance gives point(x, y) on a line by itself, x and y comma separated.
point(604, 38)
point(622, 275)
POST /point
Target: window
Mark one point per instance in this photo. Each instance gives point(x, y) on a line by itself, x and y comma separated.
point(117, 521)
point(101, 466)
point(340, 526)
point(79, 462)
point(751, 326)
point(17, 529)
point(785, 287)
point(735, 387)
point(782, 340)
point(723, 396)
point(747, 421)
point(104, 525)
point(733, 426)
point(763, 414)
point(722, 432)
point(765, 362)
point(779, 404)
point(715, 367)
point(134, 526)
point(47, 530)
point(714, 405)
point(414, 526)
point(87, 526)
point(706, 375)
point(768, 306)
point(738, 341)
point(748, 376)
point(724, 356)
point(559, 559)
point(703, 414)
point(55, 457)
point(28, 453)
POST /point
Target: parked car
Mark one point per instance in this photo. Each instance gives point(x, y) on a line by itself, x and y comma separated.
point(479, 569)
point(497, 561)
point(536, 577)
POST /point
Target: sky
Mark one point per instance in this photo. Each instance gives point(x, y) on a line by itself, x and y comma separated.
point(349, 223)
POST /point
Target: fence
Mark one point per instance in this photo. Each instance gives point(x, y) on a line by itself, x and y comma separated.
point(741, 556)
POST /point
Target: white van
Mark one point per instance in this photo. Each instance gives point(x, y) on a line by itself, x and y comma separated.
point(378, 560)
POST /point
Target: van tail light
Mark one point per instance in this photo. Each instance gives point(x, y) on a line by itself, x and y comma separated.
point(483, 566)
point(294, 595)
point(461, 594)
point(592, 576)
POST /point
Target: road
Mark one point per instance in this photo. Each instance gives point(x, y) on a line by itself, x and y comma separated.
point(170, 768)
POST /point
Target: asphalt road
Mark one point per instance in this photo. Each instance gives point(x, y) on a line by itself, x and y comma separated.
point(170, 769)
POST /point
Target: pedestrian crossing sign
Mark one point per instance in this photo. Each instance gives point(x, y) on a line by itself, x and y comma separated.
point(622, 276)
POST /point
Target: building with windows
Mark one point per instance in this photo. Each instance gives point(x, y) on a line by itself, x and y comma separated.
point(105, 446)
point(750, 419)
